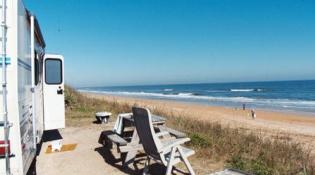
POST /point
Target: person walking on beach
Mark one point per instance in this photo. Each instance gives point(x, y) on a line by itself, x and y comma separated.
point(253, 114)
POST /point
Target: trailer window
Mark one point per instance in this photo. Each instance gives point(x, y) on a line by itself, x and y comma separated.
point(36, 72)
point(53, 71)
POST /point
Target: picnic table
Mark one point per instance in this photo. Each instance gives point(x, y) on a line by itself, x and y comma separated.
point(133, 146)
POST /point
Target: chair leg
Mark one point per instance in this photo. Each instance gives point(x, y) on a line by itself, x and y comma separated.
point(149, 161)
point(186, 162)
point(146, 166)
point(170, 162)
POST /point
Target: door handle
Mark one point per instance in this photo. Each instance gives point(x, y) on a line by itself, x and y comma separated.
point(60, 91)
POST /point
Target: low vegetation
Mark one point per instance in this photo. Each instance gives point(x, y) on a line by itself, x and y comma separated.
point(236, 147)
point(79, 106)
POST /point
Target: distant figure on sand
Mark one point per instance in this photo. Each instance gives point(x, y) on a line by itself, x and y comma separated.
point(253, 113)
point(244, 106)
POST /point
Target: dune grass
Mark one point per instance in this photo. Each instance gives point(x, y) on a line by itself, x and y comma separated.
point(236, 147)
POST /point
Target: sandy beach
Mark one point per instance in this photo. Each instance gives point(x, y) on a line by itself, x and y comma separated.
point(286, 125)
point(85, 133)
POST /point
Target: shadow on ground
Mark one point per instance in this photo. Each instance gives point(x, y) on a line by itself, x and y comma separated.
point(48, 136)
point(136, 168)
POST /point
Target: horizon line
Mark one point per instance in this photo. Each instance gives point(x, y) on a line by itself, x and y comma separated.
point(170, 84)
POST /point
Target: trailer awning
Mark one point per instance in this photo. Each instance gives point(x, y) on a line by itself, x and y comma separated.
point(38, 34)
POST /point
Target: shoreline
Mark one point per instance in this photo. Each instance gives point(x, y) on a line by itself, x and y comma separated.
point(190, 103)
point(290, 112)
point(238, 105)
point(299, 127)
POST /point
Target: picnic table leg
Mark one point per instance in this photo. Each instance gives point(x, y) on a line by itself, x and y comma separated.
point(131, 155)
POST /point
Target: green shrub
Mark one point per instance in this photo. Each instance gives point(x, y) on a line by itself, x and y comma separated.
point(199, 140)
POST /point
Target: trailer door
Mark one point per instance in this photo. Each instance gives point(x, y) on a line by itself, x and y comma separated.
point(54, 106)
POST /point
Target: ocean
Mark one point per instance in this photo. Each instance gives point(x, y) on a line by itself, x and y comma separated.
point(290, 96)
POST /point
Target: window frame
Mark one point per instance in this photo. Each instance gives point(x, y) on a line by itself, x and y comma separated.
point(61, 71)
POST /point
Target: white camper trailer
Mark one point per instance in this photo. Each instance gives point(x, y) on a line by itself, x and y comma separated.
point(31, 96)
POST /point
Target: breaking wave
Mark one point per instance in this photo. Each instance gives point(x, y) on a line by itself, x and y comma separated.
point(246, 90)
point(284, 103)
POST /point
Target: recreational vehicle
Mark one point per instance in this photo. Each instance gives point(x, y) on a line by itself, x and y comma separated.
point(31, 96)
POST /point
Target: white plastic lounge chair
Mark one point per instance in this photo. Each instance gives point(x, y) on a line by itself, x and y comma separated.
point(168, 153)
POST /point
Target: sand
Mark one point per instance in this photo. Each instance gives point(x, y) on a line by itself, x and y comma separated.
point(293, 126)
point(90, 157)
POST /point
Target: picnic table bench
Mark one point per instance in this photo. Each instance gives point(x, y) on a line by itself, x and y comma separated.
point(115, 138)
point(108, 138)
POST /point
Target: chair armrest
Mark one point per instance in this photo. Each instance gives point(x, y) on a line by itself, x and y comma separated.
point(125, 115)
point(173, 132)
point(177, 142)
point(162, 133)
point(127, 148)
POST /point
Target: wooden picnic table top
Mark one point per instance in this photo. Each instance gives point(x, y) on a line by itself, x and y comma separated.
point(156, 119)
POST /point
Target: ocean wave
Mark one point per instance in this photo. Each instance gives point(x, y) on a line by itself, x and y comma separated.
point(216, 91)
point(247, 90)
point(195, 96)
point(168, 90)
point(287, 102)
point(284, 103)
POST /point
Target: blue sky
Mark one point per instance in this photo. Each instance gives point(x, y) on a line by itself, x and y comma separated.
point(131, 42)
